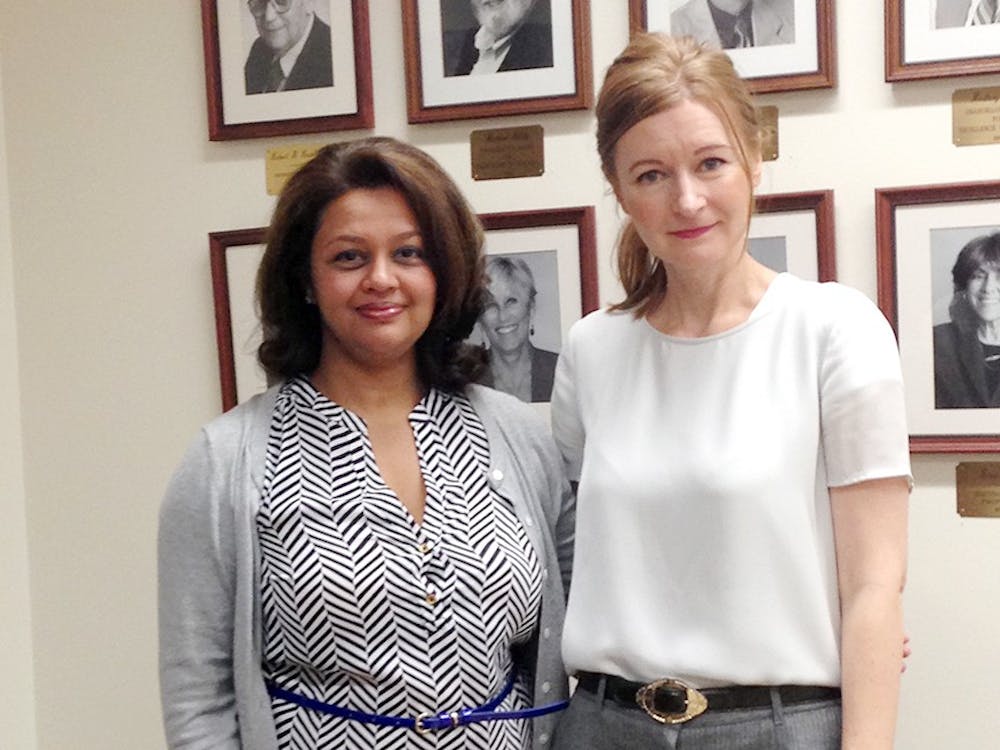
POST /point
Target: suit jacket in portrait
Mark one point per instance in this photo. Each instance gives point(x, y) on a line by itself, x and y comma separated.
point(313, 69)
point(543, 373)
point(530, 47)
point(951, 13)
point(773, 22)
point(959, 372)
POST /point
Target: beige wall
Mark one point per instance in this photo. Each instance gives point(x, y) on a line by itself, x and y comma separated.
point(113, 186)
point(17, 709)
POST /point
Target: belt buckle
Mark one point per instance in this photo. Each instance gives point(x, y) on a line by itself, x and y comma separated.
point(695, 702)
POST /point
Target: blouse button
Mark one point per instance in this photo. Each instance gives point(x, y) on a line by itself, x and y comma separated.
point(543, 738)
point(431, 598)
point(424, 547)
point(546, 687)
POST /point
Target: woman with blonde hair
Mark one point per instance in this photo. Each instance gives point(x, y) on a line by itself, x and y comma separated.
point(516, 365)
point(739, 441)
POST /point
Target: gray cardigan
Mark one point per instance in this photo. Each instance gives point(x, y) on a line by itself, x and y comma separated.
point(211, 685)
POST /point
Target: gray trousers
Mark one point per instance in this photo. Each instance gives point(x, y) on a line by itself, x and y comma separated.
point(591, 723)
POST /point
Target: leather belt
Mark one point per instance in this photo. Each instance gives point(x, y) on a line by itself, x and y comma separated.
point(672, 702)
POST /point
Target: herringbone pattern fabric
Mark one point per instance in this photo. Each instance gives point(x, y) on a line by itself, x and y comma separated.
point(365, 609)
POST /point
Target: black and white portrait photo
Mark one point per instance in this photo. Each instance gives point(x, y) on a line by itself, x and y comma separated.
point(965, 280)
point(735, 24)
point(283, 67)
point(952, 13)
point(292, 49)
point(519, 324)
point(492, 36)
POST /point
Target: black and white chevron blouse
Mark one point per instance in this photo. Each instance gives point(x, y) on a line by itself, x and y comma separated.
point(366, 609)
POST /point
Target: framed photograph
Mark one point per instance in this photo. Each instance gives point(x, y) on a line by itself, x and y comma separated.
point(794, 232)
point(284, 67)
point(941, 38)
point(464, 61)
point(541, 270)
point(776, 45)
point(939, 287)
point(234, 257)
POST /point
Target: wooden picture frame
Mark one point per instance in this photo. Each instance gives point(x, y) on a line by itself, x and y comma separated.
point(920, 231)
point(329, 88)
point(798, 54)
point(795, 232)
point(234, 257)
point(556, 255)
point(547, 67)
point(929, 39)
point(562, 240)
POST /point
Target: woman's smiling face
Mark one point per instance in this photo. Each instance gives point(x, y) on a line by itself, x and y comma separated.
point(679, 177)
point(983, 293)
point(370, 278)
point(506, 318)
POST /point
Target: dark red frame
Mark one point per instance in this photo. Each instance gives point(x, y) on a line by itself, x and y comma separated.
point(825, 75)
point(821, 203)
point(887, 200)
point(581, 98)
point(218, 244)
point(218, 130)
point(896, 69)
point(580, 216)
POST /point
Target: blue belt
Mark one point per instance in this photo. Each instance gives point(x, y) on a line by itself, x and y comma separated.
point(425, 722)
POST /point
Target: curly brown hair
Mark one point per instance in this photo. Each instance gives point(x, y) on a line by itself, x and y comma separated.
point(453, 243)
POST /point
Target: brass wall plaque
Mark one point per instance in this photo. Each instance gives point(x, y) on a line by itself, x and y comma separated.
point(975, 116)
point(768, 117)
point(507, 152)
point(282, 162)
point(978, 489)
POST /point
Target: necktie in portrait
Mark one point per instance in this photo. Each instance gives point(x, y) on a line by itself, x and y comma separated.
point(275, 76)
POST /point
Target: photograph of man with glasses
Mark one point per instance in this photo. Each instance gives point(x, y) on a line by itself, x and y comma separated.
point(292, 50)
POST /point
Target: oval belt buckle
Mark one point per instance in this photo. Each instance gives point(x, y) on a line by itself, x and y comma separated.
point(695, 702)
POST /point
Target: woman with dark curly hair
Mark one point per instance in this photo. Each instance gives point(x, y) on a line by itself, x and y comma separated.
point(967, 349)
point(375, 549)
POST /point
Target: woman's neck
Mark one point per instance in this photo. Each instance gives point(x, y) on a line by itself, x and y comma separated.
point(369, 392)
point(511, 361)
point(704, 302)
point(511, 371)
point(989, 332)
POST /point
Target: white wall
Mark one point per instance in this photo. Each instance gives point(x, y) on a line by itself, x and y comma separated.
point(113, 187)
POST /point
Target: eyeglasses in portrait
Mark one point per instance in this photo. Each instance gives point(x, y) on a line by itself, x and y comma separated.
point(282, 67)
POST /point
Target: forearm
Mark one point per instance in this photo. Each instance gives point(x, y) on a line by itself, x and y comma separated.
point(869, 520)
point(872, 629)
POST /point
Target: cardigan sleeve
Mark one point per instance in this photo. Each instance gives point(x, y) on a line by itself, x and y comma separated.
point(196, 560)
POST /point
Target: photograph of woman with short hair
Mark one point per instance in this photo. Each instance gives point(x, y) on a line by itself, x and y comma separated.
point(967, 348)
